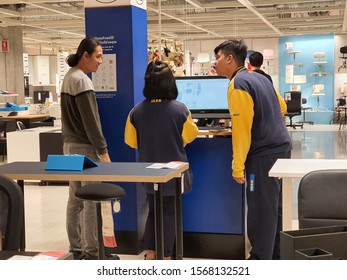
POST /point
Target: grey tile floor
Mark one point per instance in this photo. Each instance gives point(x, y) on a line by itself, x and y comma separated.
point(45, 205)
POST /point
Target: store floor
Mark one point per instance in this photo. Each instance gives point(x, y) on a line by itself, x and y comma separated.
point(45, 205)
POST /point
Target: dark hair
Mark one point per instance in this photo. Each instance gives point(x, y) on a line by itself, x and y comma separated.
point(159, 81)
point(237, 48)
point(87, 45)
point(256, 59)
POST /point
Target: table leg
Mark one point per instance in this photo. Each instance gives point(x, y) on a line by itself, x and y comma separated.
point(178, 222)
point(159, 222)
point(287, 203)
point(22, 239)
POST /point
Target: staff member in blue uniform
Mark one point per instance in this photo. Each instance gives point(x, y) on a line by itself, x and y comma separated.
point(259, 138)
point(256, 60)
point(159, 127)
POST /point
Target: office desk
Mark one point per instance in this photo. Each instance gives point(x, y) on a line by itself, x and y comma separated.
point(28, 119)
point(212, 133)
point(113, 172)
point(287, 169)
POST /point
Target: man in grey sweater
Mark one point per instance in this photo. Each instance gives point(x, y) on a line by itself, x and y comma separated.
point(82, 134)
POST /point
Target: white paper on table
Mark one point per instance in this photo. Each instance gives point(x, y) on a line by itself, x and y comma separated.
point(19, 257)
point(42, 257)
point(170, 165)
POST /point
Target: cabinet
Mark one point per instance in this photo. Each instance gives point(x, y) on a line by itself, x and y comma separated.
point(41, 70)
point(24, 145)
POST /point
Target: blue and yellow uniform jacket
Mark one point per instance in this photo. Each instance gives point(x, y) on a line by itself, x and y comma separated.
point(160, 129)
point(256, 111)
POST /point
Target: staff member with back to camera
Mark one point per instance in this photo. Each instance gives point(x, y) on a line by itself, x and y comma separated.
point(160, 127)
point(259, 138)
point(82, 134)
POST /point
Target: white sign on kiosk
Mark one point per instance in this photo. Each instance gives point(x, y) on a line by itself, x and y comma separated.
point(114, 3)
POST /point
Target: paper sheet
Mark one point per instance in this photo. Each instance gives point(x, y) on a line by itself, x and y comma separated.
point(170, 165)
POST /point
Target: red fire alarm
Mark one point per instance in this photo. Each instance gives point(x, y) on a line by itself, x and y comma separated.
point(5, 46)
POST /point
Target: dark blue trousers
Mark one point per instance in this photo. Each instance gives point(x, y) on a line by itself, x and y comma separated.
point(169, 225)
point(264, 202)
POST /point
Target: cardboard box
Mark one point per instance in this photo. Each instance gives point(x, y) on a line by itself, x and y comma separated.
point(332, 239)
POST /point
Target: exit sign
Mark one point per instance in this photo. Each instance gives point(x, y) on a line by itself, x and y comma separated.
point(5, 46)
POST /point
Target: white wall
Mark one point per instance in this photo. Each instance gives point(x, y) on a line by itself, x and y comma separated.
point(196, 47)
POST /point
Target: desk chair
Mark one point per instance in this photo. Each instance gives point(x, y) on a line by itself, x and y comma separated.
point(343, 50)
point(343, 119)
point(340, 105)
point(322, 197)
point(11, 213)
point(304, 109)
point(5, 126)
point(20, 125)
point(99, 192)
point(293, 101)
point(3, 141)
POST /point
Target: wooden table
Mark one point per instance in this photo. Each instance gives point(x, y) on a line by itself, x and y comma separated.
point(212, 133)
point(288, 169)
point(113, 172)
point(28, 119)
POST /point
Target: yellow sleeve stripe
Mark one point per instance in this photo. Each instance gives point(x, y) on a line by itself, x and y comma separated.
point(241, 107)
point(130, 135)
point(283, 104)
point(190, 130)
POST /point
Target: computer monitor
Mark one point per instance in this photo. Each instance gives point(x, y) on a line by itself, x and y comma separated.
point(205, 96)
point(40, 96)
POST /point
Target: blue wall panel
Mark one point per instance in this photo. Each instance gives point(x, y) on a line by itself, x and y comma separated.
point(308, 45)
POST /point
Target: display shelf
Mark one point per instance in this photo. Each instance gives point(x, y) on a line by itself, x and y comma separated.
point(320, 64)
point(294, 53)
point(8, 95)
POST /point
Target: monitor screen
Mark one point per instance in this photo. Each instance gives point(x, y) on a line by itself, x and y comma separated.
point(205, 96)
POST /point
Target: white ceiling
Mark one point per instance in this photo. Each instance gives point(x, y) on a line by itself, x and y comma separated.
point(59, 24)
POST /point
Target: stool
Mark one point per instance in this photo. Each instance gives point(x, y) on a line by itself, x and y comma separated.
point(304, 109)
point(99, 192)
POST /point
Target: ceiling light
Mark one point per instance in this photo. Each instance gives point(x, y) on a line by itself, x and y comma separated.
point(194, 3)
point(253, 9)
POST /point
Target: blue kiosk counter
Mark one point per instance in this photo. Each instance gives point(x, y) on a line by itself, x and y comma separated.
point(213, 212)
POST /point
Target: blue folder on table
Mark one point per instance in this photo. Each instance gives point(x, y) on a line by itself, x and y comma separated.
point(69, 162)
